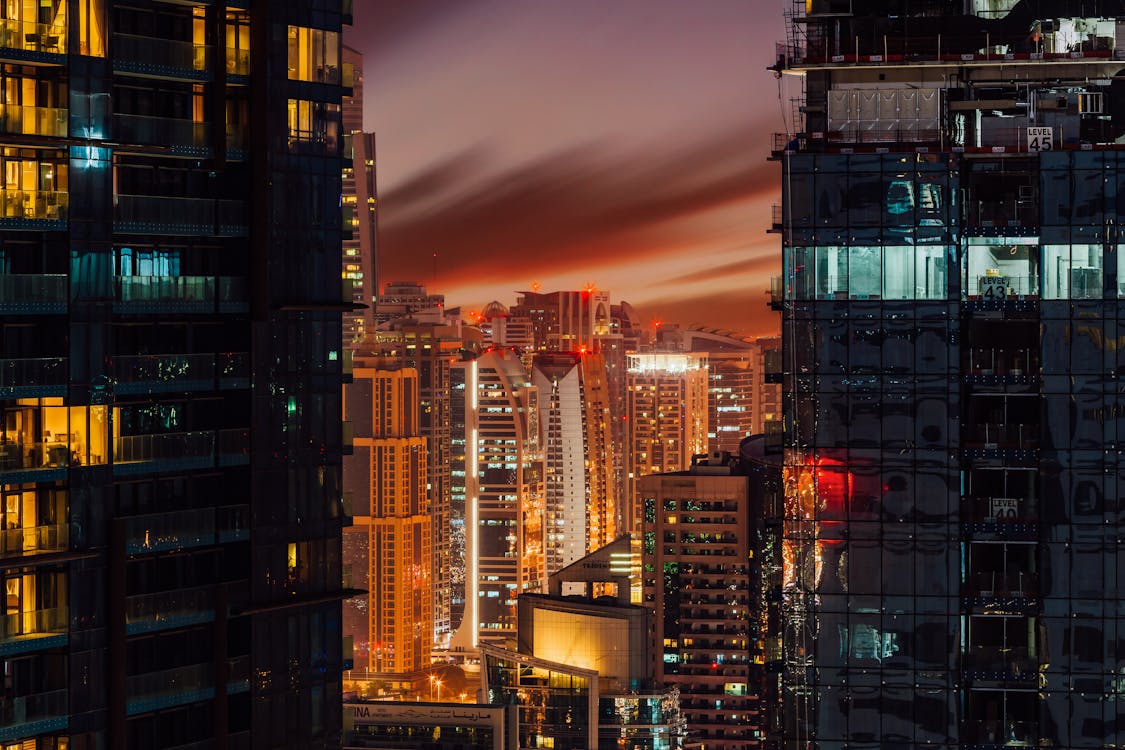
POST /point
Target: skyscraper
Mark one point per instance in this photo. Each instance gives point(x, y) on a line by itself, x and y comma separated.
point(666, 418)
point(951, 287)
point(581, 503)
point(360, 203)
point(170, 442)
point(504, 497)
point(695, 553)
point(391, 454)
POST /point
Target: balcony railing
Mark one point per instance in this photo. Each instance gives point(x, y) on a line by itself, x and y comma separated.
point(1003, 663)
point(167, 450)
point(23, 120)
point(154, 532)
point(34, 540)
point(1004, 733)
point(1000, 584)
point(234, 447)
point(32, 293)
point(36, 623)
point(140, 54)
point(1002, 436)
point(34, 205)
point(238, 61)
point(143, 292)
point(163, 372)
point(233, 522)
point(43, 456)
point(161, 131)
point(32, 37)
point(45, 712)
point(169, 609)
point(1003, 213)
point(193, 216)
point(1003, 362)
point(31, 376)
point(169, 687)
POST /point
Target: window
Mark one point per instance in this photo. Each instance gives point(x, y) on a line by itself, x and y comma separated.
point(314, 55)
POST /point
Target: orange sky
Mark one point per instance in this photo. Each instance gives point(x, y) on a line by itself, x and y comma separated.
point(621, 144)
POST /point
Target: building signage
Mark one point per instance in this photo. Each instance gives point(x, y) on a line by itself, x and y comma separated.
point(994, 287)
point(1040, 139)
point(1004, 508)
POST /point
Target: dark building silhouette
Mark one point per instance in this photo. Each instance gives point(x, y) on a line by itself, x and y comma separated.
point(170, 370)
point(950, 298)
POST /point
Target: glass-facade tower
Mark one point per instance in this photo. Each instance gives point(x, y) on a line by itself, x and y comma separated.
point(170, 369)
point(950, 304)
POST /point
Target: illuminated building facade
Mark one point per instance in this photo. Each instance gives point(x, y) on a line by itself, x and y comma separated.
point(666, 417)
point(403, 299)
point(696, 560)
point(504, 497)
point(399, 725)
point(567, 321)
point(430, 349)
point(950, 299)
point(170, 371)
point(359, 201)
point(390, 458)
point(574, 416)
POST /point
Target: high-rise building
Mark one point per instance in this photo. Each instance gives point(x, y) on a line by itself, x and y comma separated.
point(696, 553)
point(170, 371)
point(568, 321)
point(390, 460)
point(430, 348)
point(359, 200)
point(740, 398)
point(666, 417)
point(576, 424)
point(504, 496)
point(404, 299)
point(949, 303)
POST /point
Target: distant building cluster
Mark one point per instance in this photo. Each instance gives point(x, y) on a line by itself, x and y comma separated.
point(541, 421)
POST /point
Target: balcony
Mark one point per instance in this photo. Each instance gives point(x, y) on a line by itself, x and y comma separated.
point(233, 369)
point(147, 214)
point(34, 462)
point(27, 715)
point(147, 613)
point(22, 120)
point(993, 436)
point(161, 58)
point(1008, 368)
point(166, 688)
point(233, 523)
point(164, 373)
point(188, 294)
point(33, 209)
point(170, 451)
point(985, 518)
point(234, 447)
point(22, 632)
point(158, 532)
point(176, 133)
point(995, 591)
point(34, 540)
point(27, 40)
point(33, 294)
point(31, 378)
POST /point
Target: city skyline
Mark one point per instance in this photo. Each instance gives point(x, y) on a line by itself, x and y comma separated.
point(629, 141)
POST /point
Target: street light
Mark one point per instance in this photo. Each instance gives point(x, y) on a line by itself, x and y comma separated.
point(435, 681)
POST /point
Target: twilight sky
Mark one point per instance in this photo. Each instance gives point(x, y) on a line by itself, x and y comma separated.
point(614, 142)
